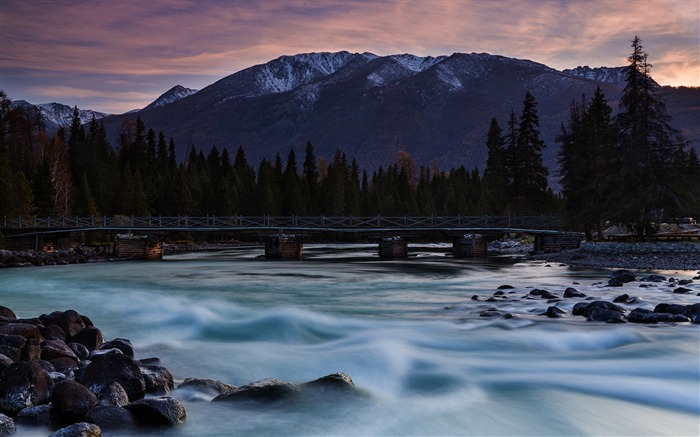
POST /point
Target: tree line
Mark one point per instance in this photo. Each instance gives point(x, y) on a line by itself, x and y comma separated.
point(633, 167)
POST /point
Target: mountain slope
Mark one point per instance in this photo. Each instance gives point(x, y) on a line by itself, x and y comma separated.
point(172, 95)
point(370, 107)
point(56, 115)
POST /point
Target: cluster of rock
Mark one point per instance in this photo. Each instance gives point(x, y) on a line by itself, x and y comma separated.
point(57, 371)
point(77, 255)
point(603, 311)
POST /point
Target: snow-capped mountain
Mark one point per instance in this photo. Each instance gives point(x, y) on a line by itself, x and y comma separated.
point(172, 95)
point(437, 109)
point(57, 115)
point(599, 74)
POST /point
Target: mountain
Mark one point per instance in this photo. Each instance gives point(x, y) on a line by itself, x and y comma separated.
point(172, 95)
point(56, 115)
point(437, 109)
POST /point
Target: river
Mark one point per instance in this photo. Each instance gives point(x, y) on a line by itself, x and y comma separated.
point(407, 332)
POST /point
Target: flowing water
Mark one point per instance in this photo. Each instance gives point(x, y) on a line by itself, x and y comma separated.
point(407, 332)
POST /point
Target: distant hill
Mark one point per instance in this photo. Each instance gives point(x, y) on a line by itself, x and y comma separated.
point(56, 115)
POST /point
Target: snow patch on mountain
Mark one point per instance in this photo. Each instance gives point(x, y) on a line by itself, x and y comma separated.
point(56, 115)
point(446, 75)
point(289, 72)
point(174, 94)
point(599, 74)
point(416, 63)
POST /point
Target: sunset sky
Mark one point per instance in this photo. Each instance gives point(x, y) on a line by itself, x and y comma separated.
point(114, 56)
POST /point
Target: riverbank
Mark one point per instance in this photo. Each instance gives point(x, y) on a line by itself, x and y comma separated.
point(637, 256)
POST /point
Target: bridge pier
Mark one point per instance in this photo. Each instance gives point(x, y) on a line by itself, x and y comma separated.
point(283, 246)
point(393, 247)
point(468, 246)
point(138, 246)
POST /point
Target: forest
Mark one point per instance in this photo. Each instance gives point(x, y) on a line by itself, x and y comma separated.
point(633, 167)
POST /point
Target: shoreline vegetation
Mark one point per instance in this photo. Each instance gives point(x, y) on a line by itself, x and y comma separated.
point(644, 256)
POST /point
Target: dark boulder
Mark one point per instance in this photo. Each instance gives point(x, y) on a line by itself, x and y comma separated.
point(80, 351)
point(333, 382)
point(41, 415)
point(7, 313)
point(31, 351)
point(51, 349)
point(7, 426)
point(653, 278)
point(80, 429)
point(103, 370)
point(505, 287)
point(623, 276)
point(64, 364)
point(72, 400)
point(266, 390)
point(554, 312)
point(572, 292)
point(624, 298)
point(5, 362)
point(158, 380)
point(193, 389)
point(122, 344)
point(112, 418)
point(672, 308)
point(681, 290)
point(11, 352)
point(158, 411)
point(22, 385)
point(71, 322)
point(53, 332)
point(90, 337)
point(606, 315)
point(26, 330)
point(113, 396)
point(640, 315)
point(544, 294)
point(16, 341)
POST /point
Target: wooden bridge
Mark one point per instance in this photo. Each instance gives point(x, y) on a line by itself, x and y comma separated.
point(285, 234)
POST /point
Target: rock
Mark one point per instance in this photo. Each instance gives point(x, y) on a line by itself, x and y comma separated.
point(694, 312)
point(72, 400)
point(71, 322)
point(334, 382)
point(31, 351)
point(16, 341)
point(90, 337)
point(266, 390)
point(26, 330)
point(122, 344)
point(112, 418)
point(544, 294)
point(22, 385)
point(206, 387)
point(81, 429)
point(53, 332)
point(10, 352)
point(5, 362)
point(113, 396)
point(606, 315)
point(7, 426)
point(554, 312)
point(685, 281)
point(158, 411)
point(623, 276)
point(623, 298)
point(640, 315)
point(7, 313)
point(653, 278)
point(572, 292)
point(681, 290)
point(158, 379)
point(51, 349)
point(106, 369)
point(41, 415)
point(505, 287)
point(80, 351)
point(64, 364)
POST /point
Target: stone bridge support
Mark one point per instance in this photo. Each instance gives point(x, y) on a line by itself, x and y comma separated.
point(468, 246)
point(132, 246)
point(393, 247)
point(283, 246)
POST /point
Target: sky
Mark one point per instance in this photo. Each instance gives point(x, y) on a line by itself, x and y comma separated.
point(115, 56)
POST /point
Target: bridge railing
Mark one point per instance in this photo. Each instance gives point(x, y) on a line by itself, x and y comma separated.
point(298, 222)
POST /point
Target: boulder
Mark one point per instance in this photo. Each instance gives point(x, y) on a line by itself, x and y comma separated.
point(111, 418)
point(158, 379)
point(103, 370)
point(681, 290)
point(7, 313)
point(80, 351)
point(16, 341)
point(334, 382)
point(81, 429)
point(158, 411)
point(572, 292)
point(26, 330)
point(53, 332)
point(22, 385)
point(192, 389)
point(623, 276)
point(554, 312)
point(7, 426)
point(11, 352)
point(113, 396)
point(41, 415)
point(71, 322)
point(51, 349)
point(266, 390)
point(72, 400)
point(5, 362)
point(122, 344)
point(90, 337)
point(640, 315)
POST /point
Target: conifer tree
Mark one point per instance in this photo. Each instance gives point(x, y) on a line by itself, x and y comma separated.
point(496, 171)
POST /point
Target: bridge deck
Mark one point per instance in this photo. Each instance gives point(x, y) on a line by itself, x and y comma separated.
point(381, 225)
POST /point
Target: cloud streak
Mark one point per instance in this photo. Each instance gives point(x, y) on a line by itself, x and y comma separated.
point(127, 51)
